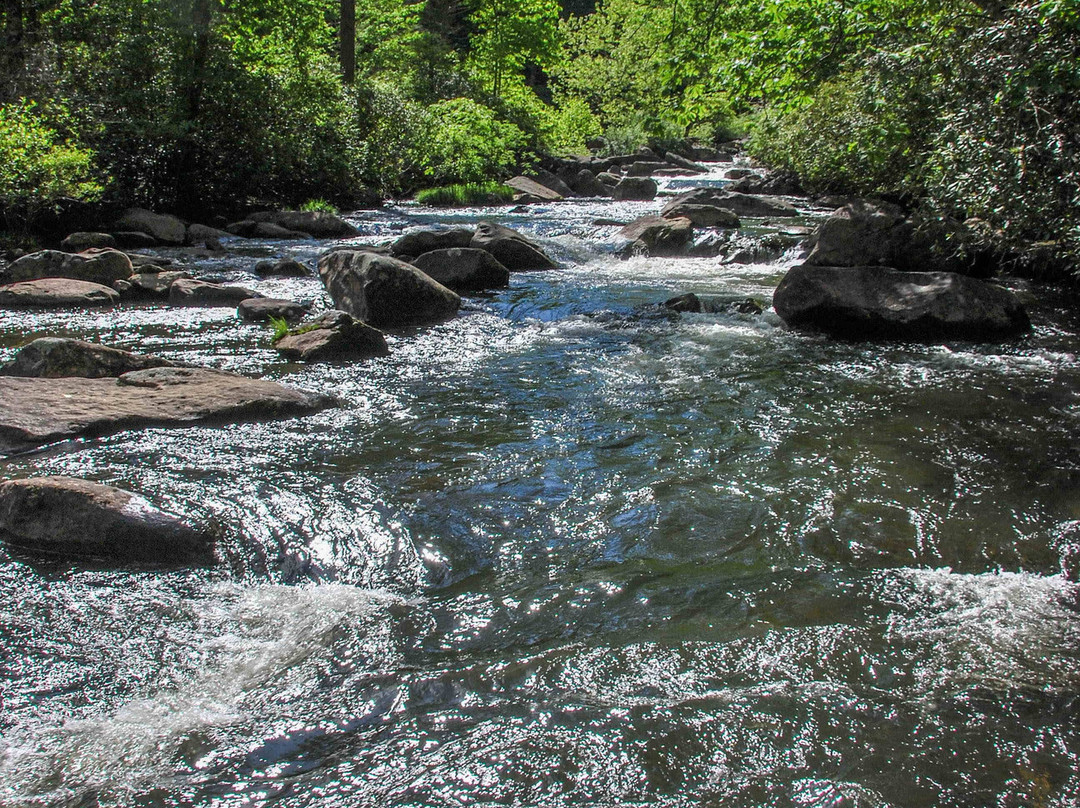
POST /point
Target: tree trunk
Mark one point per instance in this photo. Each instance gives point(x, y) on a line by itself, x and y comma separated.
point(347, 40)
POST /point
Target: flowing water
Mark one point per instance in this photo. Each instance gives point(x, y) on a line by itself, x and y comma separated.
point(567, 550)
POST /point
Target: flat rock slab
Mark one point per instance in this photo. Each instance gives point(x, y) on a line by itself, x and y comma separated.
point(77, 519)
point(56, 293)
point(56, 358)
point(34, 412)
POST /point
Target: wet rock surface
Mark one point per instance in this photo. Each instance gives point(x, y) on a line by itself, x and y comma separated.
point(333, 337)
point(55, 357)
point(57, 293)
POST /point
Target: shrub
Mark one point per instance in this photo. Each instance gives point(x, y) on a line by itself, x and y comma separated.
point(470, 144)
point(38, 168)
point(318, 206)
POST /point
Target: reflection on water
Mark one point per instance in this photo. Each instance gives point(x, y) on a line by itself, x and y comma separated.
point(568, 550)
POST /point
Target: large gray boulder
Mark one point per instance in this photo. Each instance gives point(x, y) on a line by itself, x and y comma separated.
point(653, 235)
point(188, 292)
point(422, 241)
point(64, 517)
point(510, 248)
point(95, 266)
point(34, 412)
point(640, 189)
point(57, 293)
point(334, 336)
point(385, 292)
point(464, 269)
point(55, 358)
point(867, 233)
point(552, 181)
point(316, 223)
point(764, 207)
point(164, 228)
point(883, 303)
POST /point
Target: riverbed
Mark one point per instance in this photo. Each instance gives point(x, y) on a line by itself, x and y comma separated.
point(571, 549)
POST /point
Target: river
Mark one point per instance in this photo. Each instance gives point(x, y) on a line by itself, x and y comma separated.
point(568, 550)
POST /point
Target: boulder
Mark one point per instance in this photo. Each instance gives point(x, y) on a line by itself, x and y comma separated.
point(701, 215)
point(510, 248)
point(187, 292)
point(464, 269)
point(868, 233)
point(533, 189)
point(95, 266)
point(654, 235)
point(422, 241)
point(77, 519)
point(645, 168)
point(155, 284)
point(739, 204)
point(641, 189)
point(268, 230)
point(708, 154)
point(56, 358)
point(56, 293)
point(884, 303)
point(334, 336)
point(781, 183)
point(34, 412)
point(316, 223)
point(609, 180)
point(585, 183)
point(713, 304)
point(679, 161)
point(385, 292)
point(77, 242)
point(204, 234)
point(282, 268)
point(552, 182)
point(740, 173)
point(163, 228)
point(263, 309)
point(134, 239)
point(148, 263)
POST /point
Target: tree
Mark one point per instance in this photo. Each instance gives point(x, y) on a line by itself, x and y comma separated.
point(510, 35)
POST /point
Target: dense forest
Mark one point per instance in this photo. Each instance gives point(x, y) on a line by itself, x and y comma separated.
point(963, 109)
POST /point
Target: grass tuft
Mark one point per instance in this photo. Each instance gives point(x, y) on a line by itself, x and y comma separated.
point(317, 206)
point(469, 193)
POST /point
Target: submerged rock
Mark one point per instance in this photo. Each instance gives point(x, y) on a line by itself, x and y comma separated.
point(464, 269)
point(883, 303)
point(78, 519)
point(334, 336)
point(55, 357)
point(57, 293)
point(385, 292)
point(510, 248)
point(95, 266)
point(712, 304)
point(262, 309)
point(34, 412)
point(187, 292)
point(281, 268)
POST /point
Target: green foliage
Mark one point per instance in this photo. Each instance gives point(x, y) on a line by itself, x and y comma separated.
point(280, 326)
point(570, 126)
point(465, 194)
point(37, 167)
point(510, 34)
point(318, 206)
point(469, 143)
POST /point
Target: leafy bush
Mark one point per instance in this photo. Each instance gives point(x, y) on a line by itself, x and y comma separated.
point(572, 125)
point(470, 144)
point(38, 168)
point(463, 195)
